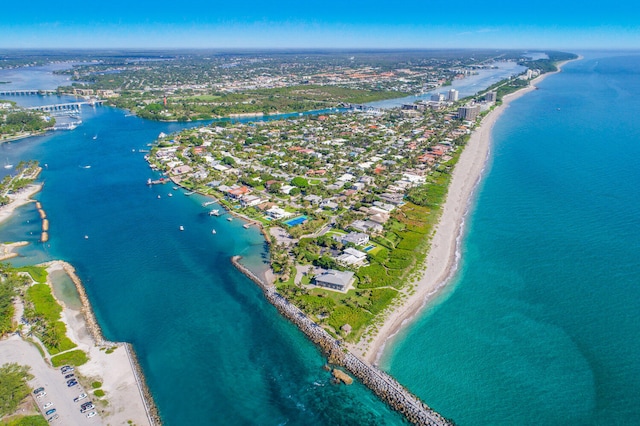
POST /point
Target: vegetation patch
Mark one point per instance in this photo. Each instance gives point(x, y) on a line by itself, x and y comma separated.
point(77, 357)
point(38, 273)
point(13, 387)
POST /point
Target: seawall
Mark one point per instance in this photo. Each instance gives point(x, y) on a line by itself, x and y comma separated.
point(383, 385)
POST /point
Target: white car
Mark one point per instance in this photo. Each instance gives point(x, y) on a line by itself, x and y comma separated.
point(47, 405)
point(91, 414)
point(80, 397)
point(41, 394)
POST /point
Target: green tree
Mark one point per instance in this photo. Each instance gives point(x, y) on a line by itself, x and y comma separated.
point(13, 387)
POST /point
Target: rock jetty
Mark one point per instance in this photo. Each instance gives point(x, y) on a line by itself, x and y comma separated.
point(386, 387)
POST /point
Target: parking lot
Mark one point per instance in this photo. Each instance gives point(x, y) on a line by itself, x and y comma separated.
point(52, 380)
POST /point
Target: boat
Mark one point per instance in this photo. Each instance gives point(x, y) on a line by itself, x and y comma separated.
point(170, 194)
point(158, 196)
point(175, 188)
point(213, 231)
point(214, 213)
point(86, 237)
point(95, 137)
point(229, 219)
point(246, 225)
point(189, 193)
point(7, 165)
point(86, 167)
point(181, 228)
point(207, 203)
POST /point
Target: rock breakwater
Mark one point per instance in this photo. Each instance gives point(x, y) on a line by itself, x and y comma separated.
point(383, 385)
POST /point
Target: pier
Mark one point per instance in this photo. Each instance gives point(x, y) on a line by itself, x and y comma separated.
point(384, 386)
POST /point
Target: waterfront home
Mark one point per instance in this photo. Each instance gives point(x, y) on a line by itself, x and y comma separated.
point(335, 280)
point(357, 238)
point(352, 258)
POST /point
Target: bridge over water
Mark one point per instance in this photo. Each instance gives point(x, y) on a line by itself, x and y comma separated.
point(69, 106)
point(27, 92)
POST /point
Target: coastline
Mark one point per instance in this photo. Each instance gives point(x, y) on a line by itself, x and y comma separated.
point(129, 396)
point(444, 253)
point(19, 199)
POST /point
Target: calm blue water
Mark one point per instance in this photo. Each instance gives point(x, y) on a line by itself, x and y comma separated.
point(212, 349)
point(467, 86)
point(541, 325)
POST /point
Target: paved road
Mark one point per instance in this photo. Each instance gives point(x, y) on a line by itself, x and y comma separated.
point(16, 350)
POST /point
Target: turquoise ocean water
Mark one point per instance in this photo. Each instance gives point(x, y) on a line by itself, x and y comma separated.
point(542, 323)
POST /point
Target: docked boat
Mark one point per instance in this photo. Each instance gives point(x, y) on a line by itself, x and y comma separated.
point(207, 203)
point(214, 213)
point(189, 193)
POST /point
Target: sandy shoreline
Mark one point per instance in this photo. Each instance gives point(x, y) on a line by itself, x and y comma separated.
point(19, 199)
point(442, 259)
point(117, 370)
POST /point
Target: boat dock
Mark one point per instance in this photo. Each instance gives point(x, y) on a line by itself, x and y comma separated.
point(157, 182)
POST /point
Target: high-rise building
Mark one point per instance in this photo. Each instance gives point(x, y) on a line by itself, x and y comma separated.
point(491, 96)
point(437, 97)
point(469, 113)
point(453, 95)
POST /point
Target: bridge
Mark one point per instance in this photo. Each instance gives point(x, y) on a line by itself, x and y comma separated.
point(27, 92)
point(70, 106)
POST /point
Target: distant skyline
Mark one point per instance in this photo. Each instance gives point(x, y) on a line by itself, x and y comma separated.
point(328, 24)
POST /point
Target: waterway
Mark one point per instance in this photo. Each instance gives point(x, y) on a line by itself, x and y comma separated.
point(212, 349)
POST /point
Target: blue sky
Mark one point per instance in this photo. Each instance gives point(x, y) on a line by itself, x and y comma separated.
point(330, 23)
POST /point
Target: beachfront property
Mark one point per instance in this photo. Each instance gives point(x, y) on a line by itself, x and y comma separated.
point(335, 280)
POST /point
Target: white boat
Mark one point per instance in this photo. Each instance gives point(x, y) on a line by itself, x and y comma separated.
point(229, 219)
point(214, 213)
point(170, 194)
point(95, 137)
point(207, 203)
point(213, 231)
point(158, 196)
point(181, 228)
point(86, 237)
point(189, 193)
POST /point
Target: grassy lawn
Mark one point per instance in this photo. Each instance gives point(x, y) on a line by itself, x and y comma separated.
point(76, 358)
point(39, 274)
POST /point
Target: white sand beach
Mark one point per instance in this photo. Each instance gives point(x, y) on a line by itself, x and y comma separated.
point(19, 199)
point(441, 261)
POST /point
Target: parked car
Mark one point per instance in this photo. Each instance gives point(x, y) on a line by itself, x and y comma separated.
point(91, 414)
point(80, 397)
point(68, 376)
point(37, 391)
point(87, 408)
point(41, 394)
point(86, 404)
point(66, 369)
point(52, 418)
point(47, 405)
point(50, 412)
point(71, 383)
